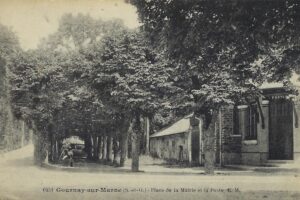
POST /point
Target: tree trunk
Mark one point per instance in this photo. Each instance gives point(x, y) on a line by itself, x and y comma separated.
point(136, 144)
point(129, 145)
point(210, 145)
point(88, 147)
point(135, 151)
point(50, 139)
point(124, 141)
point(53, 148)
point(147, 135)
point(116, 151)
point(50, 147)
point(129, 142)
point(99, 146)
point(109, 149)
point(56, 150)
point(40, 151)
point(124, 147)
point(95, 148)
point(104, 147)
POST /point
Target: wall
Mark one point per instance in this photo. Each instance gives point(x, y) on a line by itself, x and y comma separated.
point(236, 150)
point(167, 147)
point(231, 144)
point(296, 129)
point(255, 152)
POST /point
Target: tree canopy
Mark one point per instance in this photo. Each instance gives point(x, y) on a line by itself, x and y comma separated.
point(224, 50)
point(133, 75)
point(9, 42)
point(90, 75)
point(187, 56)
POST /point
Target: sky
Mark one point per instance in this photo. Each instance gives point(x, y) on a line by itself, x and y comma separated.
point(32, 20)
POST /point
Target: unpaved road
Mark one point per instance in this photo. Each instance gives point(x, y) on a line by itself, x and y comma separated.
point(20, 179)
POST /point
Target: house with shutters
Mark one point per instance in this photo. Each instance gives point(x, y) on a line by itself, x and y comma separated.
point(251, 134)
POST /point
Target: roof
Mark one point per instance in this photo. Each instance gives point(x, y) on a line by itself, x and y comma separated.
point(180, 126)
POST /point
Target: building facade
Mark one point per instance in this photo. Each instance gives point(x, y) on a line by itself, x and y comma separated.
point(251, 134)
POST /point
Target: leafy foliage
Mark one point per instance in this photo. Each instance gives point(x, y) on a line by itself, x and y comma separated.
point(80, 31)
point(224, 50)
point(134, 77)
point(9, 42)
point(9, 45)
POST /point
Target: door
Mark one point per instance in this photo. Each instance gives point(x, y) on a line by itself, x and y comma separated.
point(195, 144)
point(281, 130)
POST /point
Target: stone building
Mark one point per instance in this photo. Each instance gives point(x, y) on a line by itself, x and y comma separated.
point(170, 142)
point(252, 134)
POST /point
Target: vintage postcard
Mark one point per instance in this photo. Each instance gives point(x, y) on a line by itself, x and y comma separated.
point(149, 99)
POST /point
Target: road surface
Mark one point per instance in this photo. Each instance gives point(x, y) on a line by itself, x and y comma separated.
point(20, 179)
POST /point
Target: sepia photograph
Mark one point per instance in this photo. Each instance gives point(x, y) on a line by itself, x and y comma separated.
point(149, 99)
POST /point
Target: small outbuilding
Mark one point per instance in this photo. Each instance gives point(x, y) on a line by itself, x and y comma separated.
point(178, 142)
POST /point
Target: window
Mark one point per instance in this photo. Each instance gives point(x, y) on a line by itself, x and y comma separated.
point(251, 122)
point(173, 143)
point(245, 119)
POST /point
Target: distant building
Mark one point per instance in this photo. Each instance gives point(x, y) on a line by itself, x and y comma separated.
point(249, 134)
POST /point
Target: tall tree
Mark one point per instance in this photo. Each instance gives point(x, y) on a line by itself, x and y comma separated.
point(77, 32)
point(131, 77)
point(9, 45)
point(224, 50)
point(54, 85)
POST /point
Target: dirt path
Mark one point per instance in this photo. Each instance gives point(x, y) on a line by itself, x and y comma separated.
point(20, 179)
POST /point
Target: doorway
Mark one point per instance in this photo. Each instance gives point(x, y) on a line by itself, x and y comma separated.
point(195, 145)
point(281, 129)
